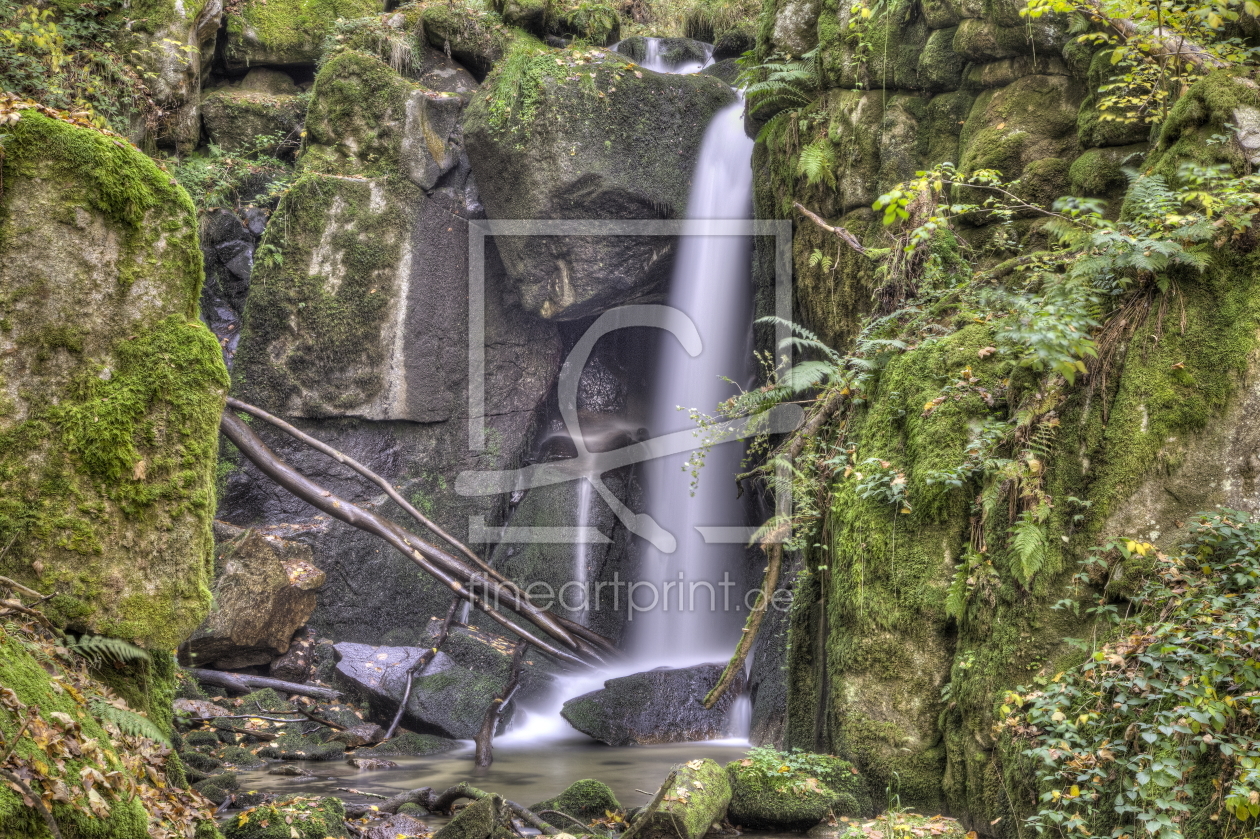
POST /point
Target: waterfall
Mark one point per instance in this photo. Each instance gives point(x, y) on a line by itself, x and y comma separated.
point(700, 608)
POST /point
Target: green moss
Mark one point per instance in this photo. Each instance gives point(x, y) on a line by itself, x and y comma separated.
point(779, 803)
point(585, 800)
point(115, 450)
point(303, 332)
point(44, 684)
point(409, 744)
point(293, 29)
point(358, 111)
point(298, 818)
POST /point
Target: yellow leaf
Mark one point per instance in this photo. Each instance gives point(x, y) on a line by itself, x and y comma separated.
point(1075, 791)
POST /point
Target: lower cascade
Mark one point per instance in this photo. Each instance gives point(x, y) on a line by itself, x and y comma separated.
point(640, 420)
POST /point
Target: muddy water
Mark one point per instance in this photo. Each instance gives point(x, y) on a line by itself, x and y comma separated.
point(525, 773)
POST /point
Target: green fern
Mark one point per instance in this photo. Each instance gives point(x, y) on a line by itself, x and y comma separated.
point(99, 649)
point(781, 84)
point(128, 722)
point(818, 163)
point(1029, 544)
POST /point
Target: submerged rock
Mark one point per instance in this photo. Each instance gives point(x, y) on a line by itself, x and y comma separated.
point(658, 706)
point(582, 135)
point(409, 744)
point(693, 798)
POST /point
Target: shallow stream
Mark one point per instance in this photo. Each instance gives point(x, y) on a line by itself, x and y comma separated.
point(522, 772)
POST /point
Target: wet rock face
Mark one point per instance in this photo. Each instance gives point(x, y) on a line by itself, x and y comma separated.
point(588, 152)
point(266, 589)
point(228, 242)
point(658, 706)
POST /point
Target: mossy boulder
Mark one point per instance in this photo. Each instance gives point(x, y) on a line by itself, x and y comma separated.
point(584, 800)
point(298, 818)
point(1031, 119)
point(582, 139)
point(1100, 172)
point(110, 388)
point(693, 798)
point(250, 120)
point(795, 800)
point(285, 33)
point(479, 820)
point(218, 787)
point(172, 42)
point(357, 118)
point(476, 38)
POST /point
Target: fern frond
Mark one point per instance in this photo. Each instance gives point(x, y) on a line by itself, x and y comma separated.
point(818, 163)
point(128, 722)
point(98, 649)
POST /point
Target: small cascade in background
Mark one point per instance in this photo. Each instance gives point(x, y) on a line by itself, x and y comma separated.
point(666, 55)
point(699, 616)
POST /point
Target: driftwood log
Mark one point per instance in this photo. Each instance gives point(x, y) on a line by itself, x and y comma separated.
point(242, 683)
point(485, 737)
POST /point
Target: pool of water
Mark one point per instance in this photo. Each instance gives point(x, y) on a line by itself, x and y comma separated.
point(522, 772)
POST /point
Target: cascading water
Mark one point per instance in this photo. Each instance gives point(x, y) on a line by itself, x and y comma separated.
point(700, 609)
point(711, 284)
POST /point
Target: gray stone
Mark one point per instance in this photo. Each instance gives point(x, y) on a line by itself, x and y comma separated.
point(265, 590)
point(446, 699)
point(657, 706)
point(578, 154)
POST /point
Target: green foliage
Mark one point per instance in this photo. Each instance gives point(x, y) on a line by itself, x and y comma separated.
point(127, 721)
point(72, 57)
point(1158, 731)
point(781, 82)
point(1143, 36)
point(817, 162)
point(99, 649)
point(795, 772)
point(253, 176)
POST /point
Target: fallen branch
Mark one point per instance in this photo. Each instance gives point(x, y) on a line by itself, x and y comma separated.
point(248, 684)
point(585, 827)
point(453, 573)
point(485, 737)
point(335, 726)
point(346, 460)
point(839, 232)
point(421, 663)
point(390, 806)
point(266, 736)
point(37, 802)
point(18, 587)
point(736, 665)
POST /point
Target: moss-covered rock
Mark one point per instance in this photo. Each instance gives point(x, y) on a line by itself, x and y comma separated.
point(479, 820)
point(218, 787)
point(285, 33)
point(693, 798)
point(357, 118)
point(1032, 119)
point(110, 389)
point(585, 800)
point(266, 589)
point(787, 801)
point(297, 818)
point(409, 744)
point(249, 120)
point(476, 38)
point(581, 139)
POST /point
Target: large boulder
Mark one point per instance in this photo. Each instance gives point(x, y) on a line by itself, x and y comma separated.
point(266, 589)
point(585, 800)
point(573, 134)
point(659, 706)
point(285, 33)
point(365, 312)
point(110, 388)
point(263, 113)
point(691, 801)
